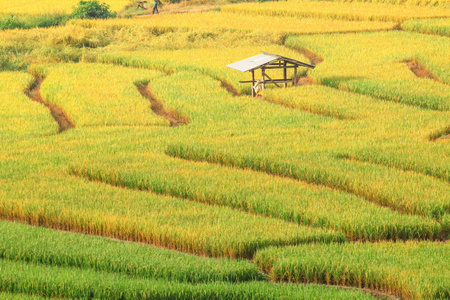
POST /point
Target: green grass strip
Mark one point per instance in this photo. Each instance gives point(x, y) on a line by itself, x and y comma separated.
point(11, 21)
point(429, 26)
point(410, 270)
point(49, 281)
point(46, 246)
point(18, 296)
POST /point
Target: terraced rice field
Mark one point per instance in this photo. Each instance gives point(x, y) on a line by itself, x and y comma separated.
point(134, 165)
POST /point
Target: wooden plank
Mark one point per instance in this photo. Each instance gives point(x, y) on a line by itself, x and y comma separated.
point(285, 74)
point(269, 81)
point(287, 67)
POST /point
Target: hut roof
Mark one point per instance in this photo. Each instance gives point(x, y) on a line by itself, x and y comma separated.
point(263, 59)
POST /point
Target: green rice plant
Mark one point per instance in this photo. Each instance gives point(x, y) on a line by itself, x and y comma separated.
point(186, 96)
point(445, 221)
point(320, 100)
point(362, 179)
point(19, 242)
point(295, 202)
point(351, 10)
point(430, 26)
point(410, 270)
point(50, 281)
point(160, 220)
point(94, 94)
point(21, 117)
point(407, 158)
point(17, 296)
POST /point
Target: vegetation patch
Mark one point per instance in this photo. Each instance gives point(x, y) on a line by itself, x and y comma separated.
point(20, 242)
point(58, 114)
point(410, 270)
point(342, 180)
point(438, 26)
point(159, 109)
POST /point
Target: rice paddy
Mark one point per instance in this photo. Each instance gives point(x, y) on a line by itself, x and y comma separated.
point(173, 182)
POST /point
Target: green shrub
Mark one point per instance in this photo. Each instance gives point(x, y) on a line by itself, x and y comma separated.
point(10, 22)
point(92, 10)
point(31, 21)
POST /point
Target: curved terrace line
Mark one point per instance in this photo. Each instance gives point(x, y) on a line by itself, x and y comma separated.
point(60, 227)
point(158, 108)
point(413, 65)
point(262, 167)
point(405, 168)
point(306, 109)
point(60, 116)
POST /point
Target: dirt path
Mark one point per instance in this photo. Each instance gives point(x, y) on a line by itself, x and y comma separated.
point(60, 116)
point(229, 88)
point(305, 80)
point(419, 71)
point(158, 108)
point(314, 59)
point(444, 137)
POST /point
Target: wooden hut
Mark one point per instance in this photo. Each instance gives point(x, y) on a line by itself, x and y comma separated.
point(266, 61)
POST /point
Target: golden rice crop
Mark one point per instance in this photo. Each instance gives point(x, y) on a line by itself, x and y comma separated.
point(376, 64)
point(164, 221)
point(337, 10)
point(95, 94)
point(208, 61)
point(218, 20)
point(358, 167)
point(24, 7)
point(380, 127)
point(20, 116)
point(442, 3)
point(186, 96)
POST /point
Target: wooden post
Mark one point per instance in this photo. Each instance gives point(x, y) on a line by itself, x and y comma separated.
point(263, 87)
point(285, 75)
point(253, 83)
point(263, 73)
point(295, 76)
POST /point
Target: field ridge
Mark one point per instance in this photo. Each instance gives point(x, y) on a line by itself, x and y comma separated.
point(60, 116)
point(158, 108)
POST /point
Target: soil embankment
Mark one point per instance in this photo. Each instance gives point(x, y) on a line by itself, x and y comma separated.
point(314, 60)
point(419, 71)
point(229, 88)
point(158, 108)
point(57, 113)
